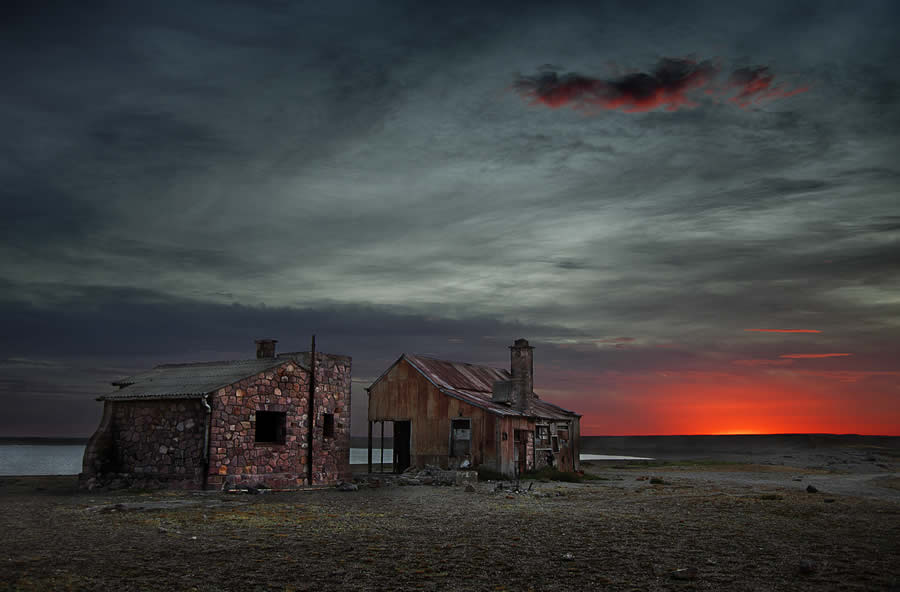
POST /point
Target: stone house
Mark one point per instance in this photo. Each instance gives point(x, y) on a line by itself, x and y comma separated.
point(446, 413)
point(210, 425)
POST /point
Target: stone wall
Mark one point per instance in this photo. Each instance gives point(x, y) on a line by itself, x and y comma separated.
point(236, 458)
point(147, 443)
point(331, 456)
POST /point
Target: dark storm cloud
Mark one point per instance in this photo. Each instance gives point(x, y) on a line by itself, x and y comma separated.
point(668, 85)
point(66, 354)
point(138, 134)
point(361, 170)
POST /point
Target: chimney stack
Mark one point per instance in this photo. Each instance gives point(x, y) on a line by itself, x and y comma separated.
point(521, 367)
point(265, 348)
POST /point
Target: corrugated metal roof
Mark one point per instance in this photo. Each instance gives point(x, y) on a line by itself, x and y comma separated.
point(459, 375)
point(180, 381)
point(474, 384)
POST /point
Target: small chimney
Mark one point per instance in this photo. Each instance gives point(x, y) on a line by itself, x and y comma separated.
point(265, 348)
point(521, 367)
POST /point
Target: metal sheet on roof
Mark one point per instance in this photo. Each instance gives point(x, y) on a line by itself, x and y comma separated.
point(175, 381)
point(459, 375)
point(474, 384)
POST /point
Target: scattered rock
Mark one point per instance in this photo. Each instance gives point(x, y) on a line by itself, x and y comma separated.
point(829, 500)
point(641, 479)
point(470, 488)
point(811, 489)
point(657, 481)
point(798, 478)
point(347, 487)
point(685, 573)
point(568, 557)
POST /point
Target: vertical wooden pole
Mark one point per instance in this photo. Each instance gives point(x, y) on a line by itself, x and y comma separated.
point(370, 447)
point(382, 445)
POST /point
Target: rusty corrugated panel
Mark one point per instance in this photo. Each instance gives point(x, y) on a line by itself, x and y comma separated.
point(458, 375)
point(549, 410)
point(473, 384)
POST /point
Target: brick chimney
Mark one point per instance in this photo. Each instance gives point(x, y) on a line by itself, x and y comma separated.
point(265, 348)
point(521, 367)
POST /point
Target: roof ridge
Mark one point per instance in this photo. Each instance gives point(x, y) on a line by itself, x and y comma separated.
point(218, 363)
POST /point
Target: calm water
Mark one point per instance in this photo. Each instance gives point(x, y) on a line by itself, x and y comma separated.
point(65, 459)
point(41, 459)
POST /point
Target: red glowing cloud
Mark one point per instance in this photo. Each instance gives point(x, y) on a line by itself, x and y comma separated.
point(762, 362)
point(666, 86)
point(755, 85)
point(810, 356)
point(785, 330)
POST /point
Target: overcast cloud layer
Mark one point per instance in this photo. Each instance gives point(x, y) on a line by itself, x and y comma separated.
point(181, 178)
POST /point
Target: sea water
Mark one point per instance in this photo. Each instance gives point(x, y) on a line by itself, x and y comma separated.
point(41, 459)
point(65, 459)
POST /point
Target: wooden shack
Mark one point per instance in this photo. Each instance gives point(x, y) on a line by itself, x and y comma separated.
point(451, 413)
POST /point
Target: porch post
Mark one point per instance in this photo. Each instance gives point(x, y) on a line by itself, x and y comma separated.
point(370, 447)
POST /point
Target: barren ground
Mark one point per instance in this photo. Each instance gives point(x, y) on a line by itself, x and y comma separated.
point(727, 525)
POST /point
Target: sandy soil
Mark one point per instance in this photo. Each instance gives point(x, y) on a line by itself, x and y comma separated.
point(725, 525)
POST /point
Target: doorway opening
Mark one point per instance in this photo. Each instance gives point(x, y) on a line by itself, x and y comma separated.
point(391, 447)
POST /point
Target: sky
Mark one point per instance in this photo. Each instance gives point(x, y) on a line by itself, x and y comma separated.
point(689, 209)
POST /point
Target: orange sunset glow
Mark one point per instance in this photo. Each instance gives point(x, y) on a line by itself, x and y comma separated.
point(778, 401)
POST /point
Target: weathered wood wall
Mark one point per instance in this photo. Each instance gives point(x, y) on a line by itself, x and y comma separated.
point(404, 394)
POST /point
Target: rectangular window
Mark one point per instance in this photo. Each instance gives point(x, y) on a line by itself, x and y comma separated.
point(555, 444)
point(270, 426)
point(542, 437)
point(460, 437)
point(563, 433)
point(328, 425)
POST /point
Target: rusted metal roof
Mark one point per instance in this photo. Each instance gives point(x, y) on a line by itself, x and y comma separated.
point(181, 381)
point(474, 384)
point(458, 375)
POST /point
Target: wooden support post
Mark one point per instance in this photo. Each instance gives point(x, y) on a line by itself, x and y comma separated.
point(370, 447)
point(382, 446)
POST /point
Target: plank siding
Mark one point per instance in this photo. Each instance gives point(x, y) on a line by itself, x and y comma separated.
point(404, 394)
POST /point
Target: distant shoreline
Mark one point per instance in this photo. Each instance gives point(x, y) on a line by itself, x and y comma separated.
point(815, 438)
point(37, 440)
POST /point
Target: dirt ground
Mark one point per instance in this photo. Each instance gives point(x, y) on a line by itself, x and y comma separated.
point(695, 525)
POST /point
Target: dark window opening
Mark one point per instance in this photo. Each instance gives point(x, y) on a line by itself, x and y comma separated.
point(460, 437)
point(328, 425)
point(555, 444)
point(270, 426)
point(542, 437)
